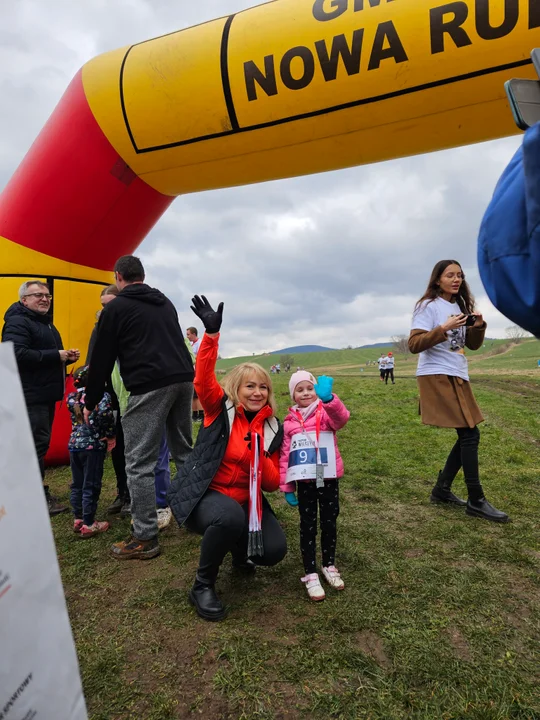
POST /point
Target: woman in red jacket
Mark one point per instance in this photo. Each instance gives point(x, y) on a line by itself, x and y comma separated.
point(218, 491)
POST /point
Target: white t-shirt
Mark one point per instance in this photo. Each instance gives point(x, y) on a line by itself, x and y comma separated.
point(382, 363)
point(195, 346)
point(446, 358)
point(390, 363)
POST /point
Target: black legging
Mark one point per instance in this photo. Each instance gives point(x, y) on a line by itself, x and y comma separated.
point(389, 372)
point(223, 523)
point(119, 461)
point(327, 498)
point(465, 454)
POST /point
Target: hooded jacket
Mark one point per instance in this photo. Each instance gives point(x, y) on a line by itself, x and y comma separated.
point(37, 343)
point(140, 329)
point(334, 416)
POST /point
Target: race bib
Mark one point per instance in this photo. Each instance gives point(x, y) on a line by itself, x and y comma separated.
point(303, 456)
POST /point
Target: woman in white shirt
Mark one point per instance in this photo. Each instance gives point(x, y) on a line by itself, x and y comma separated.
point(444, 322)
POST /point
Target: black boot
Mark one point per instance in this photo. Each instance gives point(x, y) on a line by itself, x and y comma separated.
point(481, 508)
point(116, 505)
point(207, 604)
point(54, 505)
point(442, 494)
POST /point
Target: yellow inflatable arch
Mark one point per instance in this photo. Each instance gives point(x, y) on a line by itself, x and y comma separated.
point(287, 88)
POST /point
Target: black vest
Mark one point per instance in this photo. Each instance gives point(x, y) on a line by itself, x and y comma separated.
point(194, 477)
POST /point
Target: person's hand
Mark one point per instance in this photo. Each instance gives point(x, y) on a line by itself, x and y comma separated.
point(111, 443)
point(479, 320)
point(64, 355)
point(454, 322)
point(73, 356)
point(291, 498)
point(210, 318)
point(323, 387)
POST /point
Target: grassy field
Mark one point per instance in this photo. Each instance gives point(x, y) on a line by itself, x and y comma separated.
point(494, 356)
point(440, 618)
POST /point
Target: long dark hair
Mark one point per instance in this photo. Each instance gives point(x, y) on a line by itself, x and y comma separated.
point(464, 298)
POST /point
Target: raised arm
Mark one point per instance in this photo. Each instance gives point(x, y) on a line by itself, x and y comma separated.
point(337, 413)
point(208, 389)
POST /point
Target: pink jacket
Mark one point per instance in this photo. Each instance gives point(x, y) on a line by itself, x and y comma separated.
point(334, 416)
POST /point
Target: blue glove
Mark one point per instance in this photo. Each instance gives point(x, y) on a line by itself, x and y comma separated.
point(323, 387)
point(290, 497)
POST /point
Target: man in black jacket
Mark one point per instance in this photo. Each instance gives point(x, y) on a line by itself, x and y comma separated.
point(41, 361)
point(140, 329)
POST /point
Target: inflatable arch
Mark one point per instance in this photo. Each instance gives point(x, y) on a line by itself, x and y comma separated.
point(287, 88)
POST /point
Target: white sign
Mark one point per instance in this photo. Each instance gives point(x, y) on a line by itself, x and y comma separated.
point(303, 456)
point(39, 671)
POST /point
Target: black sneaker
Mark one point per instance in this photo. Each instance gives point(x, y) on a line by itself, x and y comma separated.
point(55, 507)
point(125, 510)
point(116, 506)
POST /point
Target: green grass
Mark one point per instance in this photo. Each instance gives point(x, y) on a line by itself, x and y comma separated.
point(494, 356)
point(440, 618)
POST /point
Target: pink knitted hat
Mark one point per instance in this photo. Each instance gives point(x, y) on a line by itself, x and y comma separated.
point(298, 377)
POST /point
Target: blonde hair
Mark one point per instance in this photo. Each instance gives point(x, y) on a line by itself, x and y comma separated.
point(238, 376)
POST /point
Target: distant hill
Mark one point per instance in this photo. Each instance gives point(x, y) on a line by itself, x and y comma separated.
point(375, 345)
point(301, 349)
point(494, 355)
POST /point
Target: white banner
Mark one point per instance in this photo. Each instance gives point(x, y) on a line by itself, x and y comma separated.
point(39, 671)
point(303, 456)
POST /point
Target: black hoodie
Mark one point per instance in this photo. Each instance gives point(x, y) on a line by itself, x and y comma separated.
point(37, 343)
point(140, 328)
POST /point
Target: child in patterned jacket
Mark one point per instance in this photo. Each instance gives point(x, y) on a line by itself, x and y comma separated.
point(88, 445)
point(310, 462)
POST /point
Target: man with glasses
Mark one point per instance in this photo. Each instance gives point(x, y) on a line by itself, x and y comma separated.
point(42, 361)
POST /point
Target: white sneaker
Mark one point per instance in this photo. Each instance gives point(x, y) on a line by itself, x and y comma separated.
point(164, 516)
point(313, 587)
point(333, 578)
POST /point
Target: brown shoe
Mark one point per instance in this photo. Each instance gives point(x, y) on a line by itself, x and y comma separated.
point(134, 549)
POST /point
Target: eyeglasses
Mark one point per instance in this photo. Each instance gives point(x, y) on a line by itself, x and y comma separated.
point(39, 296)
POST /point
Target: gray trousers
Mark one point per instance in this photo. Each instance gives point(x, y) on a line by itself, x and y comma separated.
point(143, 423)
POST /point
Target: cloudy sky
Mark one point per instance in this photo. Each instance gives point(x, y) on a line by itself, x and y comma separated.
point(335, 259)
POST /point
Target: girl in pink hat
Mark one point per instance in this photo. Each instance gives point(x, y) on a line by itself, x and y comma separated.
point(310, 463)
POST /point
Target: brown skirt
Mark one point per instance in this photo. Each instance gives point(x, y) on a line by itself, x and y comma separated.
point(447, 401)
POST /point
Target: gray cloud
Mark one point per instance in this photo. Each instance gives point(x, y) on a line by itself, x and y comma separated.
point(338, 258)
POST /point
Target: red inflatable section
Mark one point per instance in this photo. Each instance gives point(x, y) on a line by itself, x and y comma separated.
point(58, 450)
point(73, 197)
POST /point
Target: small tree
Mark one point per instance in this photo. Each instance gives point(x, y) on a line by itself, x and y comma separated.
point(401, 343)
point(286, 360)
point(516, 334)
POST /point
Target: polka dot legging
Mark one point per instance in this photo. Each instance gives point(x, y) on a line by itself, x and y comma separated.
point(327, 498)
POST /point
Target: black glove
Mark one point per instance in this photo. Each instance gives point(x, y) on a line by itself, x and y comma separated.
point(211, 319)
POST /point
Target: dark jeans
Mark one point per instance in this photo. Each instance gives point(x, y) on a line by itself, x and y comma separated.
point(223, 523)
point(465, 454)
point(388, 373)
point(86, 474)
point(327, 499)
point(41, 420)
point(119, 461)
